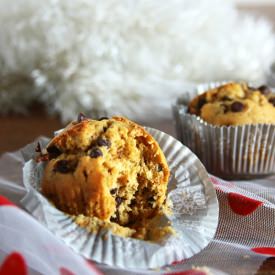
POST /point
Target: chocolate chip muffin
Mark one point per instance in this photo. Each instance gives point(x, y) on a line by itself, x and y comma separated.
point(235, 104)
point(111, 169)
point(238, 140)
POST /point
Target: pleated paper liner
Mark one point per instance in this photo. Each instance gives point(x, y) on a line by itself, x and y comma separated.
point(195, 214)
point(230, 152)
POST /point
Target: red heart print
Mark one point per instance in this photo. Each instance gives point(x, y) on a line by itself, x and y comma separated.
point(65, 271)
point(264, 250)
point(5, 201)
point(242, 205)
point(178, 262)
point(92, 267)
point(14, 263)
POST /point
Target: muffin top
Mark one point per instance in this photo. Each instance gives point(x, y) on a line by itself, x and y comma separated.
point(235, 104)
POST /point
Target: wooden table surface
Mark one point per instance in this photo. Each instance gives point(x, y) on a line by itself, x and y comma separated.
point(19, 130)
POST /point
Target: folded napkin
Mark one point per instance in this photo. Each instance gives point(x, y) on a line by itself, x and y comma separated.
point(245, 236)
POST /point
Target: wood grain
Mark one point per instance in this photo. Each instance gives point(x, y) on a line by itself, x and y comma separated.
point(19, 130)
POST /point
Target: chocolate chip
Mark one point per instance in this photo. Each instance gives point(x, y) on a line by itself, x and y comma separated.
point(272, 101)
point(38, 148)
point(113, 191)
point(114, 219)
point(65, 166)
point(151, 200)
point(53, 151)
point(237, 106)
point(159, 167)
point(81, 117)
point(103, 142)
point(133, 202)
point(119, 200)
point(103, 118)
point(201, 102)
point(95, 152)
point(226, 98)
point(264, 90)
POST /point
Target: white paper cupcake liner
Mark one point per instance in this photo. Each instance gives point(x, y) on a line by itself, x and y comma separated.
point(195, 214)
point(230, 152)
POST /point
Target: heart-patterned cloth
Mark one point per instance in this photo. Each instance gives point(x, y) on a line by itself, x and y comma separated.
point(245, 236)
point(29, 248)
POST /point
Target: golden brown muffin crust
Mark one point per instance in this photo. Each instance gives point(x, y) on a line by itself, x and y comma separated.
point(235, 104)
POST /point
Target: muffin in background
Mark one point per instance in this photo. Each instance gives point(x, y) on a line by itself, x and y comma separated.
point(231, 128)
point(235, 104)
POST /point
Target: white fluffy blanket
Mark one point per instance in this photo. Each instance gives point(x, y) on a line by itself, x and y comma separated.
point(129, 56)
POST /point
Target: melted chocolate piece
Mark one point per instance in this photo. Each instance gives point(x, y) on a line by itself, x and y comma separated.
point(201, 102)
point(103, 118)
point(272, 101)
point(53, 151)
point(116, 220)
point(119, 200)
point(113, 191)
point(264, 90)
point(104, 142)
point(159, 167)
point(81, 117)
point(96, 152)
point(151, 200)
point(237, 106)
point(38, 148)
point(64, 166)
point(226, 98)
point(133, 202)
